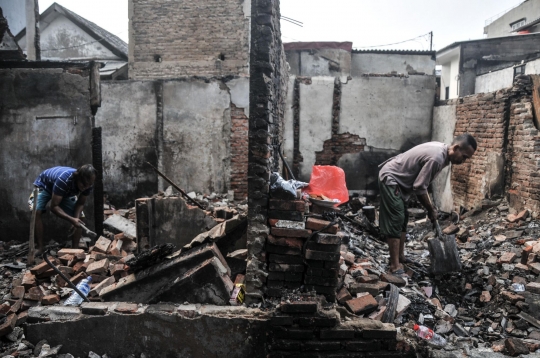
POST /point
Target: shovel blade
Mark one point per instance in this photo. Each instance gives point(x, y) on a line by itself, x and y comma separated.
point(444, 255)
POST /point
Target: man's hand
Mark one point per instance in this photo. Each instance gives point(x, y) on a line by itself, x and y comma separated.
point(77, 222)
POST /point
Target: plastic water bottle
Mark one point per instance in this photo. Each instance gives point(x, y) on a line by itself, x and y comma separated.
point(84, 287)
point(430, 336)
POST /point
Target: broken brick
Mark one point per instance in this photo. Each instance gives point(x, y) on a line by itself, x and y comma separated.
point(100, 286)
point(372, 289)
point(286, 267)
point(67, 251)
point(512, 297)
point(485, 296)
point(327, 239)
point(318, 225)
point(17, 292)
point(8, 325)
point(50, 299)
point(286, 215)
point(507, 257)
point(451, 229)
point(362, 305)
point(41, 268)
point(533, 287)
point(102, 245)
point(343, 295)
point(33, 294)
point(28, 280)
point(98, 267)
point(393, 279)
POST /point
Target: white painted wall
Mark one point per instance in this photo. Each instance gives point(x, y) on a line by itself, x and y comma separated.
point(494, 81)
point(388, 111)
point(316, 102)
point(532, 68)
point(63, 34)
point(386, 63)
point(444, 125)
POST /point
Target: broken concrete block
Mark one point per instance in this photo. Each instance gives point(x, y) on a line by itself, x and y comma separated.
point(362, 305)
point(206, 283)
point(116, 223)
point(147, 284)
point(98, 267)
point(402, 305)
point(102, 245)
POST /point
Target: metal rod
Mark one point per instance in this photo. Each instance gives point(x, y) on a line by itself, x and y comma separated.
point(285, 162)
point(31, 249)
point(71, 284)
point(176, 187)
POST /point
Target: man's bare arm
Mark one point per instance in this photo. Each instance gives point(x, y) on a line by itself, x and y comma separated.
point(57, 210)
point(426, 203)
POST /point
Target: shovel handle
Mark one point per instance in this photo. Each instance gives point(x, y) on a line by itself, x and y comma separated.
point(438, 230)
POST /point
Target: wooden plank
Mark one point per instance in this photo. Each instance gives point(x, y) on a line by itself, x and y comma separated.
point(391, 306)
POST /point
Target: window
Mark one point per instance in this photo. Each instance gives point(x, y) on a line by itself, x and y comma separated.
point(516, 25)
point(447, 92)
point(519, 70)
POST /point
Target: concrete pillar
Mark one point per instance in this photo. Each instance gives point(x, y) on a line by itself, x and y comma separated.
point(33, 52)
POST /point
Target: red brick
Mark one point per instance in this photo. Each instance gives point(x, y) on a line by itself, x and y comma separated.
point(67, 251)
point(343, 295)
point(286, 241)
point(28, 280)
point(362, 305)
point(507, 258)
point(41, 268)
point(450, 230)
point(50, 299)
point(98, 267)
point(8, 325)
point(290, 232)
point(317, 225)
point(102, 245)
point(17, 292)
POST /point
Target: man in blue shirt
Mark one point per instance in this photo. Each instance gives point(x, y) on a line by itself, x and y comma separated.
point(67, 189)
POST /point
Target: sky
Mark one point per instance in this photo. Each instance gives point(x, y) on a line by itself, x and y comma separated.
point(364, 22)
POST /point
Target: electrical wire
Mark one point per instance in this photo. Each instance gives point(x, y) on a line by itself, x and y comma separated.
point(395, 43)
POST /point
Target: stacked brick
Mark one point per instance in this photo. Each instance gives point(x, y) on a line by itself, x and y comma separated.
point(301, 328)
point(239, 152)
point(337, 146)
point(268, 91)
point(323, 259)
point(284, 246)
point(186, 38)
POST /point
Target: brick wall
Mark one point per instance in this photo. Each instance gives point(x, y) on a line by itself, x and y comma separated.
point(508, 156)
point(523, 183)
point(268, 88)
point(483, 116)
point(172, 38)
point(239, 152)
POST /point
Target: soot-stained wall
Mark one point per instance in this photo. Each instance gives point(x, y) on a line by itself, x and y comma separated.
point(45, 121)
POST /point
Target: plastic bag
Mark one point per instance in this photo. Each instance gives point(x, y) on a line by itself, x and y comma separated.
point(284, 189)
point(329, 181)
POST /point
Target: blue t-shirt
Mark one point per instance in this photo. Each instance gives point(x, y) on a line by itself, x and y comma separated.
point(60, 181)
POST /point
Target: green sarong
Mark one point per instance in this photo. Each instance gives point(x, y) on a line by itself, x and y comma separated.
point(393, 214)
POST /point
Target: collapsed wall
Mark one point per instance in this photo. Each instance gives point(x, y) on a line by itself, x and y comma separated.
point(506, 162)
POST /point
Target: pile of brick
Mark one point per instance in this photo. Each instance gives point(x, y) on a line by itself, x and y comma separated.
point(304, 327)
point(297, 256)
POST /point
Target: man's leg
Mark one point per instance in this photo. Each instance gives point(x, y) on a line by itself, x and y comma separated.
point(402, 247)
point(394, 249)
point(68, 205)
point(391, 217)
point(38, 232)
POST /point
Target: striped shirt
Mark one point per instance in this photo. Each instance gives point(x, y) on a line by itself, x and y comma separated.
point(60, 181)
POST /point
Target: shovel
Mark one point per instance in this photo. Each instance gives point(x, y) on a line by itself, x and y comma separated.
point(443, 253)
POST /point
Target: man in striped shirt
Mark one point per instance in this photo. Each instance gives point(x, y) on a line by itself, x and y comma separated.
point(67, 189)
